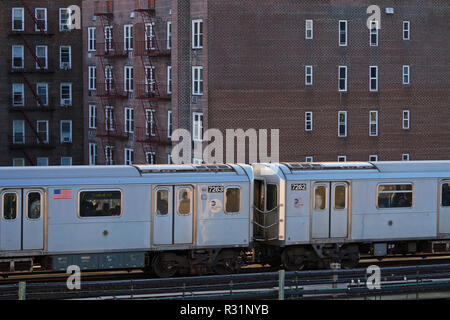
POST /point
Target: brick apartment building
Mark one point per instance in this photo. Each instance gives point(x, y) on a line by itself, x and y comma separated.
point(40, 87)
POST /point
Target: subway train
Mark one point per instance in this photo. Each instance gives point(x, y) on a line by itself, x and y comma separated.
point(197, 219)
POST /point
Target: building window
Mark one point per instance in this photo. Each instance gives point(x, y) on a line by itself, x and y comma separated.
point(197, 126)
point(374, 33)
point(169, 35)
point(128, 73)
point(65, 54)
point(42, 58)
point(150, 157)
point(109, 155)
point(342, 124)
point(17, 57)
point(41, 19)
point(18, 95)
point(406, 30)
point(197, 80)
point(42, 162)
point(129, 156)
point(109, 118)
point(342, 158)
point(150, 80)
point(18, 19)
point(373, 123)
point(395, 196)
point(308, 75)
point(128, 37)
point(93, 78)
point(309, 29)
point(405, 120)
point(66, 161)
point(109, 75)
point(42, 93)
point(150, 122)
point(18, 162)
point(66, 94)
point(42, 131)
point(406, 75)
point(405, 157)
point(169, 79)
point(66, 131)
point(92, 116)
point(342, 33)
point(64, 19)
point(373, 157)
point(92, 154)
point(309, 159)
point(18, 131)
point(197, 34)
point(169, 124)
point(342, 78)
point(169, 158)
point(308, 121)
point(373, 74)
point(92, 39)
point(108, 39)
point(129, 120)
point(149, 37)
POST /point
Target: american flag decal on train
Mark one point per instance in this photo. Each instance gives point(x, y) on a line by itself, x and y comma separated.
point(62, 194)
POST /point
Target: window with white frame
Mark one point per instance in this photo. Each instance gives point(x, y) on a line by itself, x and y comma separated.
point(169, 35)
point(92, 77)
point(342, 78)
point(169, 124)
point(150, 129)
point(405, 156)
point(128, 37)
point(42, 131)
point(41, 19)
point(64, 19)
point(65, 57)
point(41, 55)
point(18, 162)
point(108, 39)
point(169, 79)
point(308, 121)
point(92, 116)
point(406, 30)
point(92, 154)
point(128, 73)
point(342, 158)
point(373, 157)
point(373, 123)
point(197, 80)
point(109, 75)
point(197, 126)
point(342, 123)
point(374, 33)
point(18, 94)
point(18, 19)
point(66, 131)
point(309, 29)
point(129, 120)
point(308, 75)
point(109, 118)
point(66, 94)
point(17, 57)
point(405, 120)
point(109, 155)
point(373, 75)
point(42, 93)
point(18, 131)
point(92, 39)
point(42, 162)
point(66, 161)
point(342, 33)
point(406, 75)
point(129, 156)
point(150, 80)
point(309, 159)
point(197, 34)
point(150, 157)
point(149, 36)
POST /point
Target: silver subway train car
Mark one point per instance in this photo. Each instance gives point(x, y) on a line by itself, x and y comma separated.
point(173, 219)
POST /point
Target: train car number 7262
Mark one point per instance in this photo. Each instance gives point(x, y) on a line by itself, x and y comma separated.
point(298, 186)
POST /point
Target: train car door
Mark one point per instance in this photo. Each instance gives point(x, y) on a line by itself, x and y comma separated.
point(173, 215)
point(22, 221)
point(444, 209)
point(330, 210)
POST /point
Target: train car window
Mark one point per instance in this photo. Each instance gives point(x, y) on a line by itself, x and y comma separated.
point(100, 203)
point(319, 198)
point(162, 202)
point(272, 197)
point(232, 200)
point(340, 197)
point(446, 195)
point(34, 205)
point(184, 201)
point(259, 194)
point(10, 206)
point(395, 196)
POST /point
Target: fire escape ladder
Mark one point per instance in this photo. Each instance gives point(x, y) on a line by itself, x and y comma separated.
point(30, 160)
point(33, 91)
point(36, 21)
point(30, 48)
point(30, 123)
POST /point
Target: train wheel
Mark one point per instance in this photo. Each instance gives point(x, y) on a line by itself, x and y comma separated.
point(351, 261)
point(165, 265)
point(227, 262)
point(294, 259)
